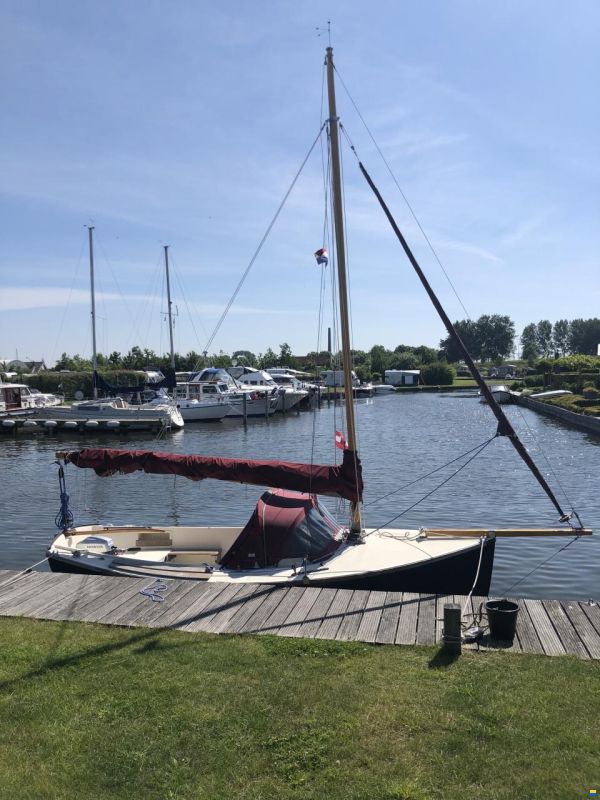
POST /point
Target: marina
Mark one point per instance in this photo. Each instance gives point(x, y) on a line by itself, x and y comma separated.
point(441, 427)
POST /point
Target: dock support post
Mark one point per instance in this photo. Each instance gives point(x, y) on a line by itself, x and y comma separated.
point(245, 407)
point(452, 637)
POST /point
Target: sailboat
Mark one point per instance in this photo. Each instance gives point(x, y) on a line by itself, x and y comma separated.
point(112, 413)
point(290, 538)
point(199, 407)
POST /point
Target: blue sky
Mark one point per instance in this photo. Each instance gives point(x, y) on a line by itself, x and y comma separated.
point(184, 123)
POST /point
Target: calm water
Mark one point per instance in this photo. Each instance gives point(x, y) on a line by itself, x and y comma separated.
point(401, 437)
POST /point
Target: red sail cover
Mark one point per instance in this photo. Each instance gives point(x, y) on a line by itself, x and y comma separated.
point(343, 481)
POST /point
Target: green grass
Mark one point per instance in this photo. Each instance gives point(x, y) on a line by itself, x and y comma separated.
point(98, 712)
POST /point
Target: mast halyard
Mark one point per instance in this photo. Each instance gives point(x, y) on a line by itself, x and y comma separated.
point(93, 297)
point(340, 244)
point(172, 351)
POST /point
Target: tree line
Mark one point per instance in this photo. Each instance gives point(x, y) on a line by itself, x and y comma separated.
point(491, 338)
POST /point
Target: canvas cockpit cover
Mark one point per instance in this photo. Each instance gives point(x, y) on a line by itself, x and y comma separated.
point(284, 525)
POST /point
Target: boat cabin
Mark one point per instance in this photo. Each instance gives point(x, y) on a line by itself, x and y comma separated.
point(285, 528)
point(16, 397)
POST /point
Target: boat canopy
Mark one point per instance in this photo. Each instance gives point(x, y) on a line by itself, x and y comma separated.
point(285, 525)
point(343, 480)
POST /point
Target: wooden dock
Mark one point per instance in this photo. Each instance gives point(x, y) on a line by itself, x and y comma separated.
point(548, 627)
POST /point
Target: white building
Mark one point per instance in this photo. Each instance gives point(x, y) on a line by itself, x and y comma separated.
point(402, 377)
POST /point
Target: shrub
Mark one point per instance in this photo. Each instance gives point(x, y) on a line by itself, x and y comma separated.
point(438, 374)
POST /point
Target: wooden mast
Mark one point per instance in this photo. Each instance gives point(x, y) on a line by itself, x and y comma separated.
point(340, 246)
point(166, 246)
point(93, 296)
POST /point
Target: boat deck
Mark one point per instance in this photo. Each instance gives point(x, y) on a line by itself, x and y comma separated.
point(547, 627)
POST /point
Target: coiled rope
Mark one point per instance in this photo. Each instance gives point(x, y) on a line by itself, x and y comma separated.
point(64, 518)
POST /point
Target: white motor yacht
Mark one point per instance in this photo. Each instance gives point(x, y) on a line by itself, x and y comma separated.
point(251, 401)
point(289, 391)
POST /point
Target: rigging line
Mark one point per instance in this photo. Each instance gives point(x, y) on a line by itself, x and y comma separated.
point(184, 295)
point(262, 241)
point(141, 312)
point(99, 244)
point(545, 457)
point(435, 488)
point(68, 303)
point(429, 474)
point(541, 564)
point(404, 197)
point(322, 288)
point(505, 427)
point(351, 328)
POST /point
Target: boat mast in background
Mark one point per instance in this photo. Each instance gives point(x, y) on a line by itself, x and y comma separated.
point(94, 354)
point(340, 245)
point(166, 246)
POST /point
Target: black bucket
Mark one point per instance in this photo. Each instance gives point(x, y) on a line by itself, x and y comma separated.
point(502, 616)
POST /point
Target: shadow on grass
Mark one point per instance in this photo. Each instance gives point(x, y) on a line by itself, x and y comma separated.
point(147, 641)
point(443, 659)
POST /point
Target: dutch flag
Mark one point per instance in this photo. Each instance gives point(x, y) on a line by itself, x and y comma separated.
point(340, 440)
point(322, 256)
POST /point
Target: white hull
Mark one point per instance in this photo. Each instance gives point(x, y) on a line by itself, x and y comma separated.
point(261, 406)
point(384, 557)
point(132, 417)
point(289, 398)
point(193, 411)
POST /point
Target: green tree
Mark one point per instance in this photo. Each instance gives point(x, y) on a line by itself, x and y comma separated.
point(544, 337)
point(286, 358)
point(584, 336)
point(222, 360)
point(403, 359)
point(471, 338)
point(497, 335)
point(560, 336)
point(268, 359)
point(529, 342)
point(379, 359)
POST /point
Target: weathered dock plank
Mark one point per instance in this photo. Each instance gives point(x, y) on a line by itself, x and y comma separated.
point(371, 618)
point(407, 624)
point(587, 632)
point(426, 620)
point(13, 592)
point(549, 639)
point(526, 633)
point(221, 618)
point(309, 626)
point(299, 613)
point(225, 601)
point(268, 598)
point(564, 628)
point(278, 617)
point(251, 608)
point(390, 615)
point(331, 624)
point(205, 595)
point(29, 600)
point(353, 615)
point(546, 627)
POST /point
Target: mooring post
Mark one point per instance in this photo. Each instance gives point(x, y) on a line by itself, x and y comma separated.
point(452, 637)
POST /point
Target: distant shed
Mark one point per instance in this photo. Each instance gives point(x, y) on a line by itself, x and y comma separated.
point(402, 377)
